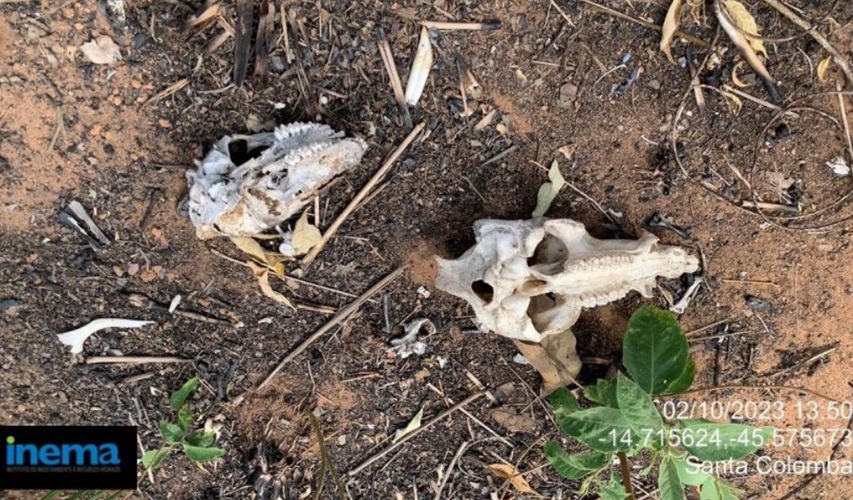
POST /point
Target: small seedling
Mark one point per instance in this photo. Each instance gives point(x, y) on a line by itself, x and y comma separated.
point(623, 421)
point(197, 444)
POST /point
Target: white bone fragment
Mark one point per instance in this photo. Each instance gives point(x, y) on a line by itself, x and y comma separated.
point(681, 306)
point(528, 279)
point(75, 338)
point(409, 344)
point(293, 164)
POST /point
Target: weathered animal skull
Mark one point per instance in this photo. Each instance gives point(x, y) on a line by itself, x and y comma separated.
point(529, 279)
point(295, 161)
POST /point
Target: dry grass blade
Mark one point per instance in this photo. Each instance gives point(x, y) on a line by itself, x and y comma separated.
point(326, 462)
point(243, 47)
point(670, 27)
point(171, 89)
point(210, 12)
point(421, 67)
point(741, 42)
point(444, 25)
point(263, 40)
point(394, 78)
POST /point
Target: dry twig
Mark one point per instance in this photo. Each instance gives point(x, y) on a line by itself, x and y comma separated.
point(441, 416)
point(342, 315)
point(350, 208)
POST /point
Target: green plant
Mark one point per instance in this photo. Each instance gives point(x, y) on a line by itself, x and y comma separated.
point(196, 444)
point(623, 421)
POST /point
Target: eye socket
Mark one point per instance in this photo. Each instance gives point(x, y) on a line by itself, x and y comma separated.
point(549, 251)
point(483, 290)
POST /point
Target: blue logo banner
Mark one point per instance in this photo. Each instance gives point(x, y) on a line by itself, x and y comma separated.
point(67, 457)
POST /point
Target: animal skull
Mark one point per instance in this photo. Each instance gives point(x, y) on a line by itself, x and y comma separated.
point(529, 279)
point(296, 161)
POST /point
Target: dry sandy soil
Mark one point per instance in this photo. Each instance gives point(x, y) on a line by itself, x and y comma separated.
point(72, 130)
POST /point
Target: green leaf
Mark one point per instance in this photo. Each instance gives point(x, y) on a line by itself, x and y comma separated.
point(185, 419)
point(549, 190)
point(715, 488)
point(151, 459)
point(171, 432)
point(655, 349)
point(200, 454)
point(563, 403)
point(685, 380)
point(201, 439)
point(638, 409)
point(690, 471)
point(711, 442)
point(612, 489)
point(603, 393)
point(668, 480)
point(602, 429)
point(573, 467)
point(181, 395)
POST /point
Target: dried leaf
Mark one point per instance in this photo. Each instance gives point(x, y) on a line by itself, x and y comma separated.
point(555, 359)
point(509, 472)
point(736, 103)
point(305, 236)
point(736, 79)
point(411, 427)
point(421, 67)
point(670, 26)
point(102, 50)
point(263, 276)
point(735, 21)
point(822, 67)
point(253, 249)
point(746, 23)
point(549, 190)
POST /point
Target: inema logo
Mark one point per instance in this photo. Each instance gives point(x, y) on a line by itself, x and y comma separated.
point(52, 455)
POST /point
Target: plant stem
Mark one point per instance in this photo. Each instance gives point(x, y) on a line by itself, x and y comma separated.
point(626, 475)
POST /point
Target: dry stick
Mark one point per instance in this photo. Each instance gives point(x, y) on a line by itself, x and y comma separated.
point(844, 121)
point(308, 259)
point(342, 315)
point(819, 38)
point(100, 360)
point(567, 19)
point(804, 363)
point(616, 13)
point(447, 473)
point(441, 416)
point(394, 78)
point(446, 25)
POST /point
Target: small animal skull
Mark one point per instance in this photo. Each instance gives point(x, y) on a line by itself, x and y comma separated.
point(529, 279)
point(293, 164)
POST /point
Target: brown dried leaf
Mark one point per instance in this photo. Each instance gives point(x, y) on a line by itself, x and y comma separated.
point(746, 23)
point(670, 26)
point(272, 260)
point(508, 472)
point(555, 359)
point(263, 276)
